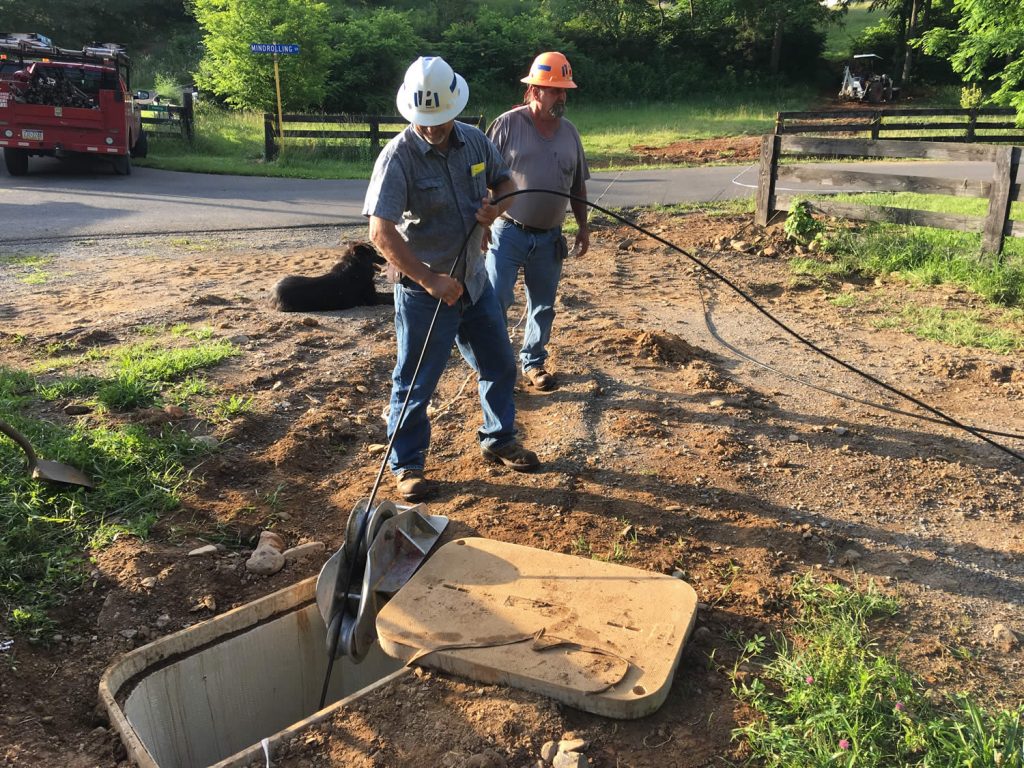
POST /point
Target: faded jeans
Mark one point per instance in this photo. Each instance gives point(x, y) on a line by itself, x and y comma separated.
point(513, 249)
point(479, 331)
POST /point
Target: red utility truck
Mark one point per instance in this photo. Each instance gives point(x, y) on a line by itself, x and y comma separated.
point(63, 103)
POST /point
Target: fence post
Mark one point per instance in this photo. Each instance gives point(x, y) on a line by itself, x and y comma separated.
point(972, 123)
point(766, 178)
point(374, 134)
point(269, 145)
point(1007, 159)
point(780, 126)
point(876, 124)
point(188, 114)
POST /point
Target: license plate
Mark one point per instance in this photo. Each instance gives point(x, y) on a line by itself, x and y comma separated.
point(31, 135)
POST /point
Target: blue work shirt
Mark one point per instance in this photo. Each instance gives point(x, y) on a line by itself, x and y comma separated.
point(433, 198)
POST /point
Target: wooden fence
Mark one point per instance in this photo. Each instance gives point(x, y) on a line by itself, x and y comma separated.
point(1000, 191)
point(377, 128)
point(988, 125)
point(170, 119)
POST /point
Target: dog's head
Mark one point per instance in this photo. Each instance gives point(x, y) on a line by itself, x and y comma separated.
point(361, 253)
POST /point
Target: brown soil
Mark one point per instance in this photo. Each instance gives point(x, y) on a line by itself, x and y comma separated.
point(700, 151)
point(734, 476)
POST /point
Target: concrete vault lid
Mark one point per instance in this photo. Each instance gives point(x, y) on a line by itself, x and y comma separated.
point(601, 637)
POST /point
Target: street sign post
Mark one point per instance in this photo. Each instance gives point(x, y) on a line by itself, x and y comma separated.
point(275, 48)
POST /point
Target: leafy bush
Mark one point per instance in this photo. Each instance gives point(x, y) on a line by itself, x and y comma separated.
point(971, 97)
point(370, 59)
point(801, 226)
point(495, 50)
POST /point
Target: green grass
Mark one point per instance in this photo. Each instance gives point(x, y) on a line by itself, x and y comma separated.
point(153, 362)
point(235, 405)
point(921, 255)
point(733, 207)
point(926, 257)
point(960, 328)
point(28, 268)
point(829, 696)
point(840, 37)
point(845, 300)
point(132, 376)
point(36, 277)
point(46, 530)
point(963, 206)
point(609, 131)
point(232, 142)
point(24, 259)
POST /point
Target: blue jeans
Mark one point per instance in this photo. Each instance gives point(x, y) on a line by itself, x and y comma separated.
point(479, 331)
point(513, 249)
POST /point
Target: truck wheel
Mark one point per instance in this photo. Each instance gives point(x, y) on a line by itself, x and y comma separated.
point(141, 148)
point(123, 165)
point(16, 161)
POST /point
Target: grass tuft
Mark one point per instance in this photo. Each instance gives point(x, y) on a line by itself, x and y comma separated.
point(830, 697)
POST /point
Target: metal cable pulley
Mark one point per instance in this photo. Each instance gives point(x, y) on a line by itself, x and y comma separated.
point(359, 578)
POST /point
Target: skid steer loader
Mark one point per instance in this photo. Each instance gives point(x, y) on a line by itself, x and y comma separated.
point(862, 83)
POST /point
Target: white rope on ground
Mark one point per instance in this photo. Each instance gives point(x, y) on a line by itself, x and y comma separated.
point(441, 409)
point(617, 177)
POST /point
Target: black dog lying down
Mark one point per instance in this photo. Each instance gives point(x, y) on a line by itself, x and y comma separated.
point(348, 284)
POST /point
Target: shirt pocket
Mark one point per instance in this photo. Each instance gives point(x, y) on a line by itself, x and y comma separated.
point(431, 196)
point(566, 172)
point(478, 184)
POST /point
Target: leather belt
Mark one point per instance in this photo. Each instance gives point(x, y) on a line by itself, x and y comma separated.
point(518, 225)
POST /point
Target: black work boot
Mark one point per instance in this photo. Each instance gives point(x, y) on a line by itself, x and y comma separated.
point(412, 485)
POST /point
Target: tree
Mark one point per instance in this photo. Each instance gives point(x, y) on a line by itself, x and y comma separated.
point(246, 80)
point(72, 24)
point(609, 18)
point(988, 45)
point(495, 50)
point(371, 56)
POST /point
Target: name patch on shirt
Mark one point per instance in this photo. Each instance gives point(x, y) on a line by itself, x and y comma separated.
point(477, 168)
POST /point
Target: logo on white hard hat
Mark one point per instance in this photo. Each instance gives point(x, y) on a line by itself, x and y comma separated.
point(433, 93)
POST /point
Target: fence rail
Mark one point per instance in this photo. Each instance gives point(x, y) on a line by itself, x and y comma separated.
point(1000, 191)
point(170, 119)
point(970, 125)
point(378, 128)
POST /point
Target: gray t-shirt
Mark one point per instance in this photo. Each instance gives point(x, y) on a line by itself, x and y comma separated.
point(433, 198)
point(539, 163)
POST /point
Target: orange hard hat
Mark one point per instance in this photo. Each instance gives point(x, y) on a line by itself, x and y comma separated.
point(552, 70)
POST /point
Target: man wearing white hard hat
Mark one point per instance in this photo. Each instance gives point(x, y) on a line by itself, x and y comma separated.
point(429, 190)
point(543, 151)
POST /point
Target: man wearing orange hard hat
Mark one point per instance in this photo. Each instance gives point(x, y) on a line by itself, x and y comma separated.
point(543, 151)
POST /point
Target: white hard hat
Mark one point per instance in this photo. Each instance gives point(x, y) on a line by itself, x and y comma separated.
point(433, 93)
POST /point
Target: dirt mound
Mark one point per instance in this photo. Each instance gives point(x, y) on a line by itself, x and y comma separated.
point(667, 348)
point(700, 151)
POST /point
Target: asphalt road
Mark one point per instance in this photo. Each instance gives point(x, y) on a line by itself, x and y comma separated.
point(58, 201)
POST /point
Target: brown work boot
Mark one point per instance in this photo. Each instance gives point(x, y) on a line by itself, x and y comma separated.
point(412, 485)
point(512, 455)
point(541, 379)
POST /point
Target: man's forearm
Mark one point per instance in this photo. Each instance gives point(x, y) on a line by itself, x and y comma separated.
point(504, 188)
point(579, 207)
point(392, 246)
